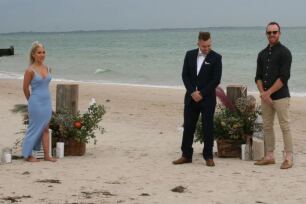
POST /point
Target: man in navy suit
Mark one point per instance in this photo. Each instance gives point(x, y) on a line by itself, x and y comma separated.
point(201, 75)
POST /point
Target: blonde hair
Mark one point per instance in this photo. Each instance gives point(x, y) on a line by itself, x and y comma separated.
point(35, 46)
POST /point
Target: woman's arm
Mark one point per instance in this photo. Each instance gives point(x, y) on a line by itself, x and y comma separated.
point(28, 75)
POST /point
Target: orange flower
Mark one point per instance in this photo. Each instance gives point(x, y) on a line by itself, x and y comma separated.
point(77, 124)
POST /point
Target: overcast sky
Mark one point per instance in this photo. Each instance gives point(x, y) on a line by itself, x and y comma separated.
point(68, 15)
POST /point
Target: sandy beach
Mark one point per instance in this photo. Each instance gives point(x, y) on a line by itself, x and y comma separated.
point(131, 163)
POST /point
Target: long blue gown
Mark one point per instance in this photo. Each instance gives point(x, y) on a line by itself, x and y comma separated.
point(40, 112)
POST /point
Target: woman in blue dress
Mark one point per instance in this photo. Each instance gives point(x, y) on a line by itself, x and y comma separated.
point(37, 76)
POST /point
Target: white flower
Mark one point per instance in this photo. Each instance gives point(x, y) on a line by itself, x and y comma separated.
point(92, 101)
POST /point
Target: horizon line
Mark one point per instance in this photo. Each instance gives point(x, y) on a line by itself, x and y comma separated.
point(141, 29)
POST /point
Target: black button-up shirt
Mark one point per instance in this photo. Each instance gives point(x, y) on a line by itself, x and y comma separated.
point(274, 63)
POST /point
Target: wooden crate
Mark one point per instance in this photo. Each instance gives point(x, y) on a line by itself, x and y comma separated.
point(229, 148)
point(74, 148)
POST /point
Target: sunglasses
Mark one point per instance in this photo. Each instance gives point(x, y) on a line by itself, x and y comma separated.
point(272, 32)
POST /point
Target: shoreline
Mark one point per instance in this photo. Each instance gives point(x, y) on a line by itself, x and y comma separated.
point(176, 87)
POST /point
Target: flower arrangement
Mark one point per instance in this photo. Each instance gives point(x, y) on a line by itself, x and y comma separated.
point(75, 130)
point(232, 121)
point(80, 127)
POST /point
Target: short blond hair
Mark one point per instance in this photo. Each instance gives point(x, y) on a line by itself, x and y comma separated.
point(35, 46)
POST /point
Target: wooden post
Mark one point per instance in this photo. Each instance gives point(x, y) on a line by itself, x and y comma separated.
point(67, 97)
point(236, 91)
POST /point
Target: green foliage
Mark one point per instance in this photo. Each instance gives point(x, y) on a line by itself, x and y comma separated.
point(81, 127)
point(23, 109)
point(230, 124)
point(20, 108)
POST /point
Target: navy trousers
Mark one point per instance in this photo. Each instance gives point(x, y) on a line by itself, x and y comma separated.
point(192, 111)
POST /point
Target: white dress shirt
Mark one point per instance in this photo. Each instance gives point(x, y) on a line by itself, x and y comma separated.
point(200, 60)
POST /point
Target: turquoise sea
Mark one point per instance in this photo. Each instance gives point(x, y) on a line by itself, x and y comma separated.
point(151, 57)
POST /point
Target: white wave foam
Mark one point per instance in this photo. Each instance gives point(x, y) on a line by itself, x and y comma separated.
point(294, 94)
point(99, 71)
point(8, 75)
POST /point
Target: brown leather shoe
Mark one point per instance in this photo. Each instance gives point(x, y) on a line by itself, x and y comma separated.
point(210, 162)
point(265, 161)
point(286, 164)
point(182, 160)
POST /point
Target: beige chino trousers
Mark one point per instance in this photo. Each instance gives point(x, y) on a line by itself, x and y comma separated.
point(281, 108)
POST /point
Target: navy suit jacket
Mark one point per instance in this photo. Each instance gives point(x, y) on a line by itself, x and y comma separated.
point(208, 79)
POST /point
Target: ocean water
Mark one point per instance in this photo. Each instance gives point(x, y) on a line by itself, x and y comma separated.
point(151, 57)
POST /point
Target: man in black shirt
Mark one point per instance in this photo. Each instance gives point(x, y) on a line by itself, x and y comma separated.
point(272, 75)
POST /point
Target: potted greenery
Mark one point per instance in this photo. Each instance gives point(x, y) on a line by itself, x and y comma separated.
point(233, 125)
point(75, 130)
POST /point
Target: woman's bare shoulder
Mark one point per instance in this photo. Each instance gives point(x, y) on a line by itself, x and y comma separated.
point(48, 68)
point(29, 71)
